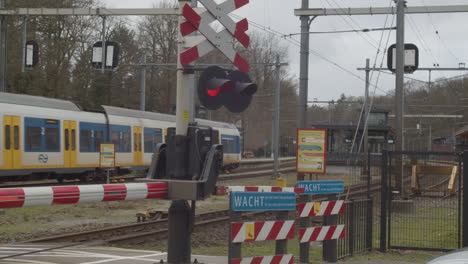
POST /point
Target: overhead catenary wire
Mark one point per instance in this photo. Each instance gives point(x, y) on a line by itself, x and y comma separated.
point(343, 31)
point(296, 43)
point(343, 17)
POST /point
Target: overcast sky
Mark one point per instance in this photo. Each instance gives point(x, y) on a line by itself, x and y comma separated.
point(441, 38)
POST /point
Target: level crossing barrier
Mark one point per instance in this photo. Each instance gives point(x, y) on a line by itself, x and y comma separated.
point(39, 196)
point(262, 198)
point(331, 231)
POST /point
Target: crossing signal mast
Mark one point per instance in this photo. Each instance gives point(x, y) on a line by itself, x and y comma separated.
point(192, 157)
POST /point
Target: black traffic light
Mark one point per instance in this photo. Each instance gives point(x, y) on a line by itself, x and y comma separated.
point(218, 87)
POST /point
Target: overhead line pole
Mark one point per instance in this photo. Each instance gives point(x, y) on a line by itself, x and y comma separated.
point(399, 93)
point(302, 110)
point(3, 48)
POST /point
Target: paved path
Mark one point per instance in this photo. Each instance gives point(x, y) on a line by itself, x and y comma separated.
point(38, 254)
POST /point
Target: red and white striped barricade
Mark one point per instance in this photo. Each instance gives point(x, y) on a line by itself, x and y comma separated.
point(328, 209)
point(321, 233)
point(262, 231)
point(38, 196)
point(262, 199)
point(321, 208)
point(279, 259)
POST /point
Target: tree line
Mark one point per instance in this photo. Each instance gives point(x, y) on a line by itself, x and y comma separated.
point(64, 70)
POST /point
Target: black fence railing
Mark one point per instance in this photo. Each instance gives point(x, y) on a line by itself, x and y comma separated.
point(358, 221)
point(421, 201)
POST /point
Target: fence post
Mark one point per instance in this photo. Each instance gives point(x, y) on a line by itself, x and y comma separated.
point(329, 246)
point(383, 203)
point(304, 222)
point(234, 248)
point(351, 227)
point(370, 223)
point(282, 245)
point(465, 201)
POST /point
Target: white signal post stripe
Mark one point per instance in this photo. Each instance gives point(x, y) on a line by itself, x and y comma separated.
point(279, 259)
point(326, 208)
point(321, 233)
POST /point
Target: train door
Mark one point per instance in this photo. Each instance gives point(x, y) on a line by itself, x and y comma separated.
point(12, 152)
point(137, 146)
point(69, 132)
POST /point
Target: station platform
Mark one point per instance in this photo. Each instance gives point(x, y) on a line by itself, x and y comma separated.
point(85, 254)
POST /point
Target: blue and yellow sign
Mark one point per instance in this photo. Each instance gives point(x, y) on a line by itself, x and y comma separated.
point(311, 151)
point(263, 201)
point(321, 187)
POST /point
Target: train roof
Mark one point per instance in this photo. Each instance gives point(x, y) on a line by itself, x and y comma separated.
point(117, 111)
point(39, 101)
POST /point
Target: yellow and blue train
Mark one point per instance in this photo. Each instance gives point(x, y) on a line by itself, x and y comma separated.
point(50, 138)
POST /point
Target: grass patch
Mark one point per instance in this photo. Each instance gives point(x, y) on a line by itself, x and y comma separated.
point(394, 255)
point(252, 249)
point(426, 227)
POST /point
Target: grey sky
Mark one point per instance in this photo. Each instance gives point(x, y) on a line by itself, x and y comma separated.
point(349, 50)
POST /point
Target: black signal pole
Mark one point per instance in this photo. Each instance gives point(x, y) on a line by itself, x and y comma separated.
point(180, 220)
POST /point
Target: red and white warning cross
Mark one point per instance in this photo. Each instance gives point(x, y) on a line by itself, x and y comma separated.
point(278, 259)
point(222, 40)
point(37, 196)
point(321, 233)
point(321, 208)
point(261, 231)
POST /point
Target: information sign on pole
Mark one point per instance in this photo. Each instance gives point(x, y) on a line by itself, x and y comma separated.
point(267, 201)
point(311, 150)
point(321, 187)
point(107, 155)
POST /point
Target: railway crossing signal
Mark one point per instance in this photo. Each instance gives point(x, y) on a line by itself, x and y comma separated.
point(218, 87)
point(222, 40)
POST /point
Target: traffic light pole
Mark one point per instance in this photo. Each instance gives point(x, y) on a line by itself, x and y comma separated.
point(180, 220)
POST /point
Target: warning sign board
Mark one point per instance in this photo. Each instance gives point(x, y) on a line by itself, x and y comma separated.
point(107, 155)
point(311, 150)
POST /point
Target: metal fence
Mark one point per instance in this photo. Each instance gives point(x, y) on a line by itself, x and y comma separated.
point(358, 221)
point(421, 201)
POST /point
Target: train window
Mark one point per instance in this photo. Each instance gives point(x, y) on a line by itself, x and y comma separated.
point(67, 140)
point(85, 140)
point(7, 137)
point(33, 139)
point(152, 137)
point(126, 142)
point(98, 139)
point(16, 137)
point(230, 144)
point(52, 139)
point(73, 139)
point(116, 140)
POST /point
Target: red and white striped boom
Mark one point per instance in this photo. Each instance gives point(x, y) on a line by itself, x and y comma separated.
point(37, 196)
